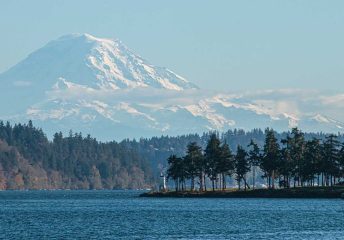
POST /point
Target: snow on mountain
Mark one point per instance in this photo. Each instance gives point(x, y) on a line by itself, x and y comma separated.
point(119, 116)
point(93, 62)
point(100, 86)
point(326, 120)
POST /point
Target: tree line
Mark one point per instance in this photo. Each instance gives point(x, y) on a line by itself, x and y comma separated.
point(79, 162)
point(292, 161)
point(83, 161)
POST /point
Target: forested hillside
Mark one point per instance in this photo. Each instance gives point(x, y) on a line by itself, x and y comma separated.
point(29, 160)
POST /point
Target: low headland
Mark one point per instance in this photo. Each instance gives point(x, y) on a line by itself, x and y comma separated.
point(298, 192)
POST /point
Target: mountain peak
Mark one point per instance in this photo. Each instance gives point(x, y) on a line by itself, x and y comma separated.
point(86, 37)
point(94, 62)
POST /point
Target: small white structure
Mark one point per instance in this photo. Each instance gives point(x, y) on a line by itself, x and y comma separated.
point(162, 185)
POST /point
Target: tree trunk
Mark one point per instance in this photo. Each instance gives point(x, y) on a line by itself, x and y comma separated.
point(192, 183)
point(246, 185)
point(332, 177)
point(223, 182)
point(205, 182)
point(201, 182)
point(254, 177)
point(216, 181)
point(273, 179)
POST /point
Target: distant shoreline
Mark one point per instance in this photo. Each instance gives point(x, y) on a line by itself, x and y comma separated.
point(67, 189)
point(304, 192)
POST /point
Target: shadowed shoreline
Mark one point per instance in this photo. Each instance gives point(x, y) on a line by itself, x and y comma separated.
point(305, 192)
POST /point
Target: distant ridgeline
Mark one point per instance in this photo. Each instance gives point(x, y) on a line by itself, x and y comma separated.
point(28, 160)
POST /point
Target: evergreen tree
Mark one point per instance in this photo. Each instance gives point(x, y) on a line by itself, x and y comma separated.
point(212, 156)
point(242, 166)
point(226, 164)
point(311, 159)
point(297, 147)
point(271, 154)
point(341, 161)
point(193, 161)
point(176, 171)
point(318, 159)
point(286, 164)
point(331, 159)
point(254, 158)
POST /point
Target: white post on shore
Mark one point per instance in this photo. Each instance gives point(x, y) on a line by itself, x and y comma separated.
point(162, 186)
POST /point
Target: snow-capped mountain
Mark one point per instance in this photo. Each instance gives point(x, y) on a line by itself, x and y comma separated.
point(93, 62)
point(100, 86)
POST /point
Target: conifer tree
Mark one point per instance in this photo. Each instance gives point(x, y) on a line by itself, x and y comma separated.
point(193, 161)
point(176, 171)
point(297, 147)
point(241, 166)
point(254, 158)
point(212, 156)
point(271, 154)
point(331, 159)
point(226, 164)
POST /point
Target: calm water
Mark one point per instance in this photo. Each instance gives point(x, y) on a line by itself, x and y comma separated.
point(122, 215)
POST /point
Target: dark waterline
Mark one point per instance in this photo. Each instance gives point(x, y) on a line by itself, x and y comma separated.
point(123, 215)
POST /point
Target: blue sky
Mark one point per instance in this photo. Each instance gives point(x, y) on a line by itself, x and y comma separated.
point(219, 45)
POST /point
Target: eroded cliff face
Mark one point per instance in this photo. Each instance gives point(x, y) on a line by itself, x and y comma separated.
point(18, 173)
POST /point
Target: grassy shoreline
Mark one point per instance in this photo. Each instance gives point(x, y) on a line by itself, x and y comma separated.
point(300, 192)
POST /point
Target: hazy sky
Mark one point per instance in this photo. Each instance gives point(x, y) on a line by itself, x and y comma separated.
point(221, 45)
